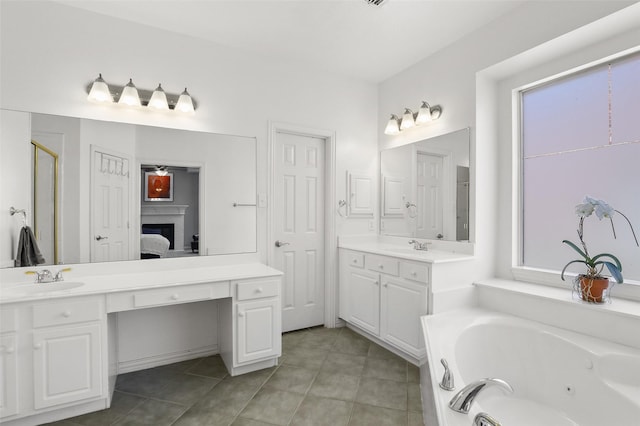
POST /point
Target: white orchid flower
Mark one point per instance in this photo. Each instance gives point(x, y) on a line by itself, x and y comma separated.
point(603, 210)
point(584, 210)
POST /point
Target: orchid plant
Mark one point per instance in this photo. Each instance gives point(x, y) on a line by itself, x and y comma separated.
point(595, 264)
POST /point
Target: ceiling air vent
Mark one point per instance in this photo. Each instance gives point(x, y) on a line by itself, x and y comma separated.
point(375, 2)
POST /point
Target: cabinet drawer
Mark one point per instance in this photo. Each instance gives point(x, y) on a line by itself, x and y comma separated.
point(386, 265)
point(170, 296)
point(414, 272)
point(67, 312)
point(257, 289)
point(355, 259)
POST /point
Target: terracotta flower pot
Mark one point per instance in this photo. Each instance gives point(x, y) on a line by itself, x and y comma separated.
point(592, 288)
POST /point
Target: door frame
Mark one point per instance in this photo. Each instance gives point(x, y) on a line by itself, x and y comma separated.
point(330, 240)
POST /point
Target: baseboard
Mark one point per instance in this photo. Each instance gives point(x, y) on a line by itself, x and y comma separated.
point(164, 359)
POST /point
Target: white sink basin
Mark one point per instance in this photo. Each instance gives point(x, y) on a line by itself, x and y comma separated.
point(42, 288)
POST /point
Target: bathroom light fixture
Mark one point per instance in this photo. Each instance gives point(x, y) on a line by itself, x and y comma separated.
point(407, 120)
point(161, 170)
point(393, 126)
point(158, 99)
point(129, 95)
point(425, 114)
point(185, 103)
point(99, 91)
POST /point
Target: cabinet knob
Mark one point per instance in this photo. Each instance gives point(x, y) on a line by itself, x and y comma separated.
point(414, 273)
point(385, 285)
point(66, 314)
point(241, 314)
point(174, 297)
point(381, 266)
point(355, 260)
point(259, 290)
point(37, 346)
point(376, 282)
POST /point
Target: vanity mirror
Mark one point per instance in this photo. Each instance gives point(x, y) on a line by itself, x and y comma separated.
point(103, 168)
point(425, 188)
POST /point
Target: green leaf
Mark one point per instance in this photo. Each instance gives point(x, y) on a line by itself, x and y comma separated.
point(573, 261)
point(615, 259)
point(615, 272)
point(576, 248)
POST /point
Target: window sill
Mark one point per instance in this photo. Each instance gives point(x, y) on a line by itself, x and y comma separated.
point(617, 321)
point(628, 290)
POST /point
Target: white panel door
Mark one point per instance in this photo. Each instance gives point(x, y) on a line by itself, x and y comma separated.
point(364, 300)
point(429, 184)
point(299, 228)
point(67, 365)
point(110, 208)
point(258, 331)
point(403, 303)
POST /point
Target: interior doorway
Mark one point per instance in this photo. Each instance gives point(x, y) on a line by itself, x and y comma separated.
point(301, 240)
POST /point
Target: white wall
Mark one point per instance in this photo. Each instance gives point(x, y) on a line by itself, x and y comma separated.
point(449, 78)
point(15, 182)
point(51, 52)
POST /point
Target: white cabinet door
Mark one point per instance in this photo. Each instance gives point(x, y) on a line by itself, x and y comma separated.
point(258, 330)
point(8, 378)
point(403, 303)
point(67, 364)
point(363, 298)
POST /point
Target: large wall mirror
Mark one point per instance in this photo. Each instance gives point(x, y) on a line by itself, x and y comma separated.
point(425, 188)
point(129, 192)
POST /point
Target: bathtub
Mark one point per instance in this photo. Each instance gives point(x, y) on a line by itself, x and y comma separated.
point(559, 377)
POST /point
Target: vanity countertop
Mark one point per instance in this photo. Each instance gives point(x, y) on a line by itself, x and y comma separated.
point(405, 252)
point(103, 283)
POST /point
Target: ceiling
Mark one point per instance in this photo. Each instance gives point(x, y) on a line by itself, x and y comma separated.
point(347, 37)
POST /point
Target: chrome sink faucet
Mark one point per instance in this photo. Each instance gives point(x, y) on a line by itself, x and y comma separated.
point(417, 245)
point(462, 401)
point(46, 276)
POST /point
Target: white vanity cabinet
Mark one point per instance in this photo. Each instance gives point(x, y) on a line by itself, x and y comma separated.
point(8, 363)
point(255, 340)
point(385, 297)
point(53, 352)
point(67, 351)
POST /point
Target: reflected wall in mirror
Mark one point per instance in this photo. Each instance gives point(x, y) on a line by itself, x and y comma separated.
point(102, 208)
point(425, 188)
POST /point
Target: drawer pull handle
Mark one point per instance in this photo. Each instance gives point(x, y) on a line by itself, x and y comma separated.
point(66, 314)
point(381, 266)
point(376, 282)
point(386, 285)
point(355, 260)
point(241, 314)
point(259, 290)
point(37, 346)
point(175, 297)
point(414, 273)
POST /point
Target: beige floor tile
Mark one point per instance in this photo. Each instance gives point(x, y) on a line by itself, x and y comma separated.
point(150, 412)
point(317, 411)
point(367, 415)
point(291, 379)
point(382, 393)
point(272, 406)
point(388, 369)
point(337, 386)
point(339, 363)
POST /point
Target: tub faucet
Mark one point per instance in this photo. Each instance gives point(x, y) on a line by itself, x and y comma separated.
point(447, 377)
point(462, 401)
point(483, 419)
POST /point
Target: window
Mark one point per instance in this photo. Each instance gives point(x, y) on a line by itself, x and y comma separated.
point(581, 136)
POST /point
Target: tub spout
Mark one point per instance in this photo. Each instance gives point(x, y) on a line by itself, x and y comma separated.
point(462, 401)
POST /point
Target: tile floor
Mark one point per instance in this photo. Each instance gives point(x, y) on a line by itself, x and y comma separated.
point(325, 377)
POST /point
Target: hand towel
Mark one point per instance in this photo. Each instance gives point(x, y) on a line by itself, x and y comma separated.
point(28, 251)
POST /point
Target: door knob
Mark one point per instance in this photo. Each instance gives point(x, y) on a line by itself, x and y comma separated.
point(281, 243)
point(100, 237)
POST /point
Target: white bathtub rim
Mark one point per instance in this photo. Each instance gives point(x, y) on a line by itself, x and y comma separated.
point(457, 321)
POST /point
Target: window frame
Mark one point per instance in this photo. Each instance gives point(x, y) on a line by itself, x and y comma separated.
point(629, 289)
